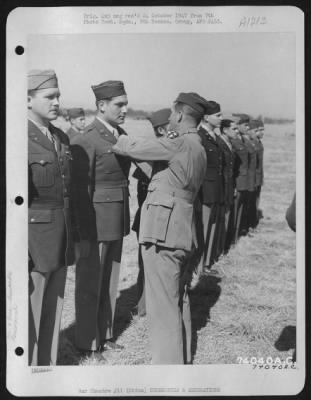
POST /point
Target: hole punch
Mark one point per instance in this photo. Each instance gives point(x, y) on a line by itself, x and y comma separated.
point(19, 351)
point(19, 200)
point(19, 50)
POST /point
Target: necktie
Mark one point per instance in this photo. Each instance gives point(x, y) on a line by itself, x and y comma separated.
point(115, 133)
point(49, 135)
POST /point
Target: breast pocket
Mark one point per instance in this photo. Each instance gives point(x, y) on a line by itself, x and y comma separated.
point(42, 169)
point(158, 213)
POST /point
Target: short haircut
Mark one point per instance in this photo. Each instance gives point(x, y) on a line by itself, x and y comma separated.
point(188, 111)
point(225, 123)
point(31, 93)
point(100, 101)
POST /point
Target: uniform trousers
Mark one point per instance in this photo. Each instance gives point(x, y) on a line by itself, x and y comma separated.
point(239, 204)
point(97, 278)
point(209, 220)
point(167, 302)
point(46, 297)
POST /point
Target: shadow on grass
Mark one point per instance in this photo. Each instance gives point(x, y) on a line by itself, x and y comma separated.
point(125, 309)
point(201, 302)
point(68, 354)
point(287, 340)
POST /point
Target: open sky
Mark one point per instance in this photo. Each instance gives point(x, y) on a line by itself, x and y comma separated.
point(244, 72)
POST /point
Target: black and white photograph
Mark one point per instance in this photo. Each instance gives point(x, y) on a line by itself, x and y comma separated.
point(157, 214)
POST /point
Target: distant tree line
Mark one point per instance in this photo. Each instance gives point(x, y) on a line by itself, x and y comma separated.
point(141, 114)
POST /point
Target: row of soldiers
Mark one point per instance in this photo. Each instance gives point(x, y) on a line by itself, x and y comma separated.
point(199, 181)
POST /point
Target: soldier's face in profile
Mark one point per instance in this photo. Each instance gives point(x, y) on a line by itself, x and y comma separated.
point(45, 103)
point(232, 131)
point(215, 119)
point(114, 110)
point(78, 123)
point(252, 133)
point(260, 132)
point(244, 128)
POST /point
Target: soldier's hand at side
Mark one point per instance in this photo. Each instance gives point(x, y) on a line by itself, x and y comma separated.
point(84, 247)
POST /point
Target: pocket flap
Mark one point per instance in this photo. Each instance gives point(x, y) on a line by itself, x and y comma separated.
point(39, 216)
point(38, 158)
point(108, 195)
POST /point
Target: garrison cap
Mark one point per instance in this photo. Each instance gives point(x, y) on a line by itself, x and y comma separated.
point(160, 117)
point(42, 79)
point(212, 107)
point(254, 124)
point(75, 112)
point(193, 100)
point(242, 118)
point(108, 89)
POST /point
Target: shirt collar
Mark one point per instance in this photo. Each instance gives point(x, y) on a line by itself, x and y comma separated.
point(43, 129)
point(107, 125)
point(208, 130)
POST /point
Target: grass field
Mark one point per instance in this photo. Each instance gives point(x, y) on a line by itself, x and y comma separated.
point(250, 311)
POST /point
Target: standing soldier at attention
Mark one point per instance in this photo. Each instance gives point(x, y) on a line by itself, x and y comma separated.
point(252, 135)
point(167, 228)
point(102, 212)
point(49, 229)
point(159, 121)
point(260, 170)
point(76, 118)
point(211, 192)
point(228, 131)
point(241, 151)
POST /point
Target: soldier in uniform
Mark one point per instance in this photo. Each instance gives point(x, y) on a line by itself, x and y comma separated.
point(167, 227)
point(159, 121)
point(102, 212)
point(49, 229)
point(260, 169)
point(212, 190)
point(241, 151)
point(76, 118)
point(229, 132)
point(252, 135)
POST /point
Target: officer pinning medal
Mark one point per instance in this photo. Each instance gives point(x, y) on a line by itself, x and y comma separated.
point(198, 177)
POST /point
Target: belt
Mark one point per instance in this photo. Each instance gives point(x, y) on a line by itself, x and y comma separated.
point(112, 184)
point(174, 192)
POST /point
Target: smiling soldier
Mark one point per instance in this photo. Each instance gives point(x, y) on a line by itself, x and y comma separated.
point(102, 213)
point(49, 233)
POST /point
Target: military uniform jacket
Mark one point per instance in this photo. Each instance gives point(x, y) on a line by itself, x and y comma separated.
point(252, 161)
point(100, 180)
point(259, 164)
point(241, 152)
point(167, 216)
point(228, 164)
point(71, 133)
point(212, 190)
point(49, 191)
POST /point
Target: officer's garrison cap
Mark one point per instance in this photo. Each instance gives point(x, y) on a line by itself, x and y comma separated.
point(42, 79)
point(108, 89)
point(160, 117)
point(75, 112)
point(193, 100)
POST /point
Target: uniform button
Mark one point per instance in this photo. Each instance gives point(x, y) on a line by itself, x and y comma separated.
point(63, 175)
point(32, 220)
point(109, 151)
point(41, 161)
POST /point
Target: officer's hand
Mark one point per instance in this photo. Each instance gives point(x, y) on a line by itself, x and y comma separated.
point(172, 134)
point(84, 248)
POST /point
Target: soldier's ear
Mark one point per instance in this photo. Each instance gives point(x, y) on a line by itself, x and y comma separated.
point(179, 116)
point(29, 102)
